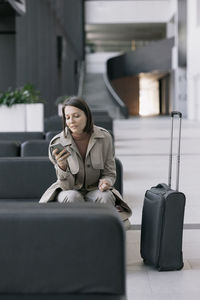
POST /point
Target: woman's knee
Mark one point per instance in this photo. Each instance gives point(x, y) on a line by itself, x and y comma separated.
point(107, 197)
point(101, 197)
point(70, 196)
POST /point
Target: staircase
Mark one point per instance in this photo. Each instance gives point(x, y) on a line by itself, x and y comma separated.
point(97, 96)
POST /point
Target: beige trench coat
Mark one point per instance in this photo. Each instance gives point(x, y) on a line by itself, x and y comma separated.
point(99, 163)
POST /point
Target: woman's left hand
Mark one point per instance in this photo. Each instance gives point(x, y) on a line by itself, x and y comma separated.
point(104, 185)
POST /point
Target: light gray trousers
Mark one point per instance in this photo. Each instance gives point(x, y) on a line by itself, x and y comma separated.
point(73, 196)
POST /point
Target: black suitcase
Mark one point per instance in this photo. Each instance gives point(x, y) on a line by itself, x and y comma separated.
point(162, 220)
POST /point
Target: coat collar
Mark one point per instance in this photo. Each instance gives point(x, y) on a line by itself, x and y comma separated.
point(97, 134)
point(68, 140)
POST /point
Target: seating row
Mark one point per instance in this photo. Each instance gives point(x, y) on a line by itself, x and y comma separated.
point(27, 178)
point(55, 251)
point(46, 250)
point(21, 137)
point(24, 143)
point(39, 148)
point(27, 148)
point(101, 118)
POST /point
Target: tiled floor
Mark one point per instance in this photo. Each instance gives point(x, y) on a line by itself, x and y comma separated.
point(144, 282)
point(142, 145)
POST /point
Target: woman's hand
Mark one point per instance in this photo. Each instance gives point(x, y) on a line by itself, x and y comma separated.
point(61, 158)
point(104, 185)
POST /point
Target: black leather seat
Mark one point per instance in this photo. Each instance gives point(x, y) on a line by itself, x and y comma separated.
point(26, 178)
point(9, 148)
point(21, 136)
point(50, 134)
point(119, 178)
point(55, 251)
point(54, 123)
point(61, 249)
point(35, 148)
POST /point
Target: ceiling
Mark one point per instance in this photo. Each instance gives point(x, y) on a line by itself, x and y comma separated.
point(12, 7)
point(122, 37)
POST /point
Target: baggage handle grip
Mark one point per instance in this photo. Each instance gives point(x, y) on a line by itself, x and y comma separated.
point(173, 113)
point(163, 185)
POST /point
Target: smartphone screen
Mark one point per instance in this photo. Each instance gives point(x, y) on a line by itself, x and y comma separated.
point(59, 148)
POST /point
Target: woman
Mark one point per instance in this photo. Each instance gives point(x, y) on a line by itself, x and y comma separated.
point(84, 161)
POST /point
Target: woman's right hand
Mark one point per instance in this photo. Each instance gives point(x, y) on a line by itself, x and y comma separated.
point(61, 158)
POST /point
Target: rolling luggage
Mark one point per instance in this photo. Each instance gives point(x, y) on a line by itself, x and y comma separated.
point(162, 219)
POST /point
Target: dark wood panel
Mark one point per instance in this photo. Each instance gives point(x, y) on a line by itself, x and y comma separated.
point(128, 90)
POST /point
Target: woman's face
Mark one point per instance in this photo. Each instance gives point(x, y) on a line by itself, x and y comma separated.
point(75, 119)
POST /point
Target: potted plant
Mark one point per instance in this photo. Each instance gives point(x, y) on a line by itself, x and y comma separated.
point(21, 109)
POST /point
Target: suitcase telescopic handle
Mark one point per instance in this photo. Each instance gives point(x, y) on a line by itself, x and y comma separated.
point(173, 113)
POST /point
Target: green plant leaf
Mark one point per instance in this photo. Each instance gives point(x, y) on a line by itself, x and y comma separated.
point(26, 94)
point(61, 99)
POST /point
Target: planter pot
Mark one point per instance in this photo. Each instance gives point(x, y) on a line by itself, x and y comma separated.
point(22, 117)
point(60, 110)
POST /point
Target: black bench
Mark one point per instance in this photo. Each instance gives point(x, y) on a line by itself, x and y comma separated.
point(55, 251)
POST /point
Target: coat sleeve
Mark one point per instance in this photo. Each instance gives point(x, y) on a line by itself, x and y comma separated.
point(65, 178)
point(109, 171)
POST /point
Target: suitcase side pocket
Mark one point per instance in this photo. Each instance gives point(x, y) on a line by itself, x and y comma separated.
point(171, 257)
point(152, 223)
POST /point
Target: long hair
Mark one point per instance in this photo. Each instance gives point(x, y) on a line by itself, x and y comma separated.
point(78, 102)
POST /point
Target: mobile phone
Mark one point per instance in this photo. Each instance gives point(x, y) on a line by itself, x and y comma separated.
point(59, 147)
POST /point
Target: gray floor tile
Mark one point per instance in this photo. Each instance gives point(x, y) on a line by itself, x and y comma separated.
point(142, 146)
point(145, 161)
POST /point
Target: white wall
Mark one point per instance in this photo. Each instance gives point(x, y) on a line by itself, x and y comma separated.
point(97, 12)
point(193, 61)
point(149, 96)
point(172, 23)
point(172, 8)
